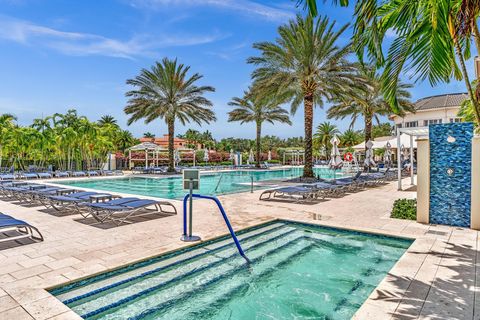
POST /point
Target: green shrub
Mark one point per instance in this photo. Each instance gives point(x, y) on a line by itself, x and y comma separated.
point(404, 209)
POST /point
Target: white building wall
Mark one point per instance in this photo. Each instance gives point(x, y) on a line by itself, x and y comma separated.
point(434, 114)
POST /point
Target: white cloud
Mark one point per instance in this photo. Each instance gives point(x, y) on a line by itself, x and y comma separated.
point(82, 44)
point(243, 6)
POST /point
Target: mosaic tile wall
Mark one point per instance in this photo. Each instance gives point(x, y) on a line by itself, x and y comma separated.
point(450, 173)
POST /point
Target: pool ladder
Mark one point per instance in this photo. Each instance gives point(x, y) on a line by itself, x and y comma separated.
point(224, 215)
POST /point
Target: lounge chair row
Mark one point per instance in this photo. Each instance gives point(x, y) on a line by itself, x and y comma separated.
point(58, 174)
point(331, 188)
point(103, 207)
point(20, 228)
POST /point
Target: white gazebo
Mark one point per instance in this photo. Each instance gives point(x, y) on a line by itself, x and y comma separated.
point(297, 156)
point(151, 151)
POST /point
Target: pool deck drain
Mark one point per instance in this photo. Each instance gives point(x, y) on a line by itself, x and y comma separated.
point(436, 278)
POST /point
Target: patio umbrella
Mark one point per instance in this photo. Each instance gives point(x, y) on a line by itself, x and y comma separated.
point(269, 158)
point(205, 155)
point(176, 156)
point(369, 162)
point(232, 155)
point(194, 153)
point(387, 156)
point(336, 159)
point(251, 158)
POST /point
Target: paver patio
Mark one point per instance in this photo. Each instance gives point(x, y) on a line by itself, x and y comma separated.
point(435, 279)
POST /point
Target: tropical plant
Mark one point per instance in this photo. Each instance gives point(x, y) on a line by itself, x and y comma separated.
point(350, 138)
point(258, 109)
point(368, 101)
point(107, 120)
point(149, 135)
point(6, 125)
point(323, 135)
point(305, 65)
point(166, 92)
point(382, 130)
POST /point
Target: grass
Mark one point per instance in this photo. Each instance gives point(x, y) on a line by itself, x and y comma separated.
point(404, 209)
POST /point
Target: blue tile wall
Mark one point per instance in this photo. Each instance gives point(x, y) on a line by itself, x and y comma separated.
point(450, 193)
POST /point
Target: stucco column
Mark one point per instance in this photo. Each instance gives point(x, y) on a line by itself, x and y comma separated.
point(423, 180)
point(475, 210)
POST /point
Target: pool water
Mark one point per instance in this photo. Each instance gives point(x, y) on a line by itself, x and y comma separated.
point(210, 184)
point(298, 271)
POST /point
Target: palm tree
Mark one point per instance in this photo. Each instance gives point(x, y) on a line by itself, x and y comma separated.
point(350, 138)
point(369, 102)
point(166, 92)
point(253, 108)
point(325, 133)
point(149, 135)
point(6, 124)
point(124, 140)
point(107, 120)
point(304, 65)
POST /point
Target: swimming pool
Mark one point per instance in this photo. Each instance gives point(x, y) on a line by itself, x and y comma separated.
point(211, 183)
point(298, 271)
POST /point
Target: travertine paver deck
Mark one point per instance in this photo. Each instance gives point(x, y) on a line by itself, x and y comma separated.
point(435, 279)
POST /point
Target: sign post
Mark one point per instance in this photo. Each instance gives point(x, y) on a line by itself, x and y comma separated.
point(191, 181)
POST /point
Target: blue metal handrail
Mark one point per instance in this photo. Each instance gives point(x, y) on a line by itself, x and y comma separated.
point(224, 214)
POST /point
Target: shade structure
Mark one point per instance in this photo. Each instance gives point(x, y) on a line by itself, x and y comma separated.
point(380, 142)
point(369, 162)
point(336, 158)
point(269, 155)
point(206, 156)
point(251, 158)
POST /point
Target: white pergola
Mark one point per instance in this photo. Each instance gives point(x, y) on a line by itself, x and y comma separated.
point(148, 148)
point(296, 156)
point(412, 132)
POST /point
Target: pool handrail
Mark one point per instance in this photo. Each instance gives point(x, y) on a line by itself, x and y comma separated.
point(224, 215)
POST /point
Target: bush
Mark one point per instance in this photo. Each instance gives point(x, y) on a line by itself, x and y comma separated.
point(404, 209)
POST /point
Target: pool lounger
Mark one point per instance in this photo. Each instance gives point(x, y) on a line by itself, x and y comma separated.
point(92, 173)
point(70, 201)
point(61, 174)
point(119, 210)
point(79, 174)
point(297, 193)
point(8, 223)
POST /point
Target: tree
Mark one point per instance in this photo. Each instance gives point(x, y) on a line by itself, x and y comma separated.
point(107, 120)
point(6, 124)
point(258, 109)
point(149, 135)
point(382, 130)
point(323, 135)
point(304, 65)
point(166, 92)
point(368, 101)
point(350, 138)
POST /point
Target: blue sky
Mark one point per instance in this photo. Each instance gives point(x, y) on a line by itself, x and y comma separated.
point(56, 55)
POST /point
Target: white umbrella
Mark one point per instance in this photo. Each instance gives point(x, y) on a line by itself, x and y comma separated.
point(251, 158)
point(369, 162)
point(387, 156)
point(336, 159)
point(176, 156)
point(205, 155)
point(269, 155)
point(194, 153)
point(232, 155)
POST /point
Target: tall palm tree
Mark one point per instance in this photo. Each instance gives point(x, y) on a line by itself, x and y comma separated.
point(323, 135)
point(6, 124)
point(149, 135)
point(166, 92)
point(369, 102)
point(305, 65)
point(253, 108)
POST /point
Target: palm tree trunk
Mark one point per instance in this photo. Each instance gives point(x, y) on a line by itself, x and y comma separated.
point(368, 129)
point(308, 106)
point(171, 136)
point(259, 137)
point(476, 106)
